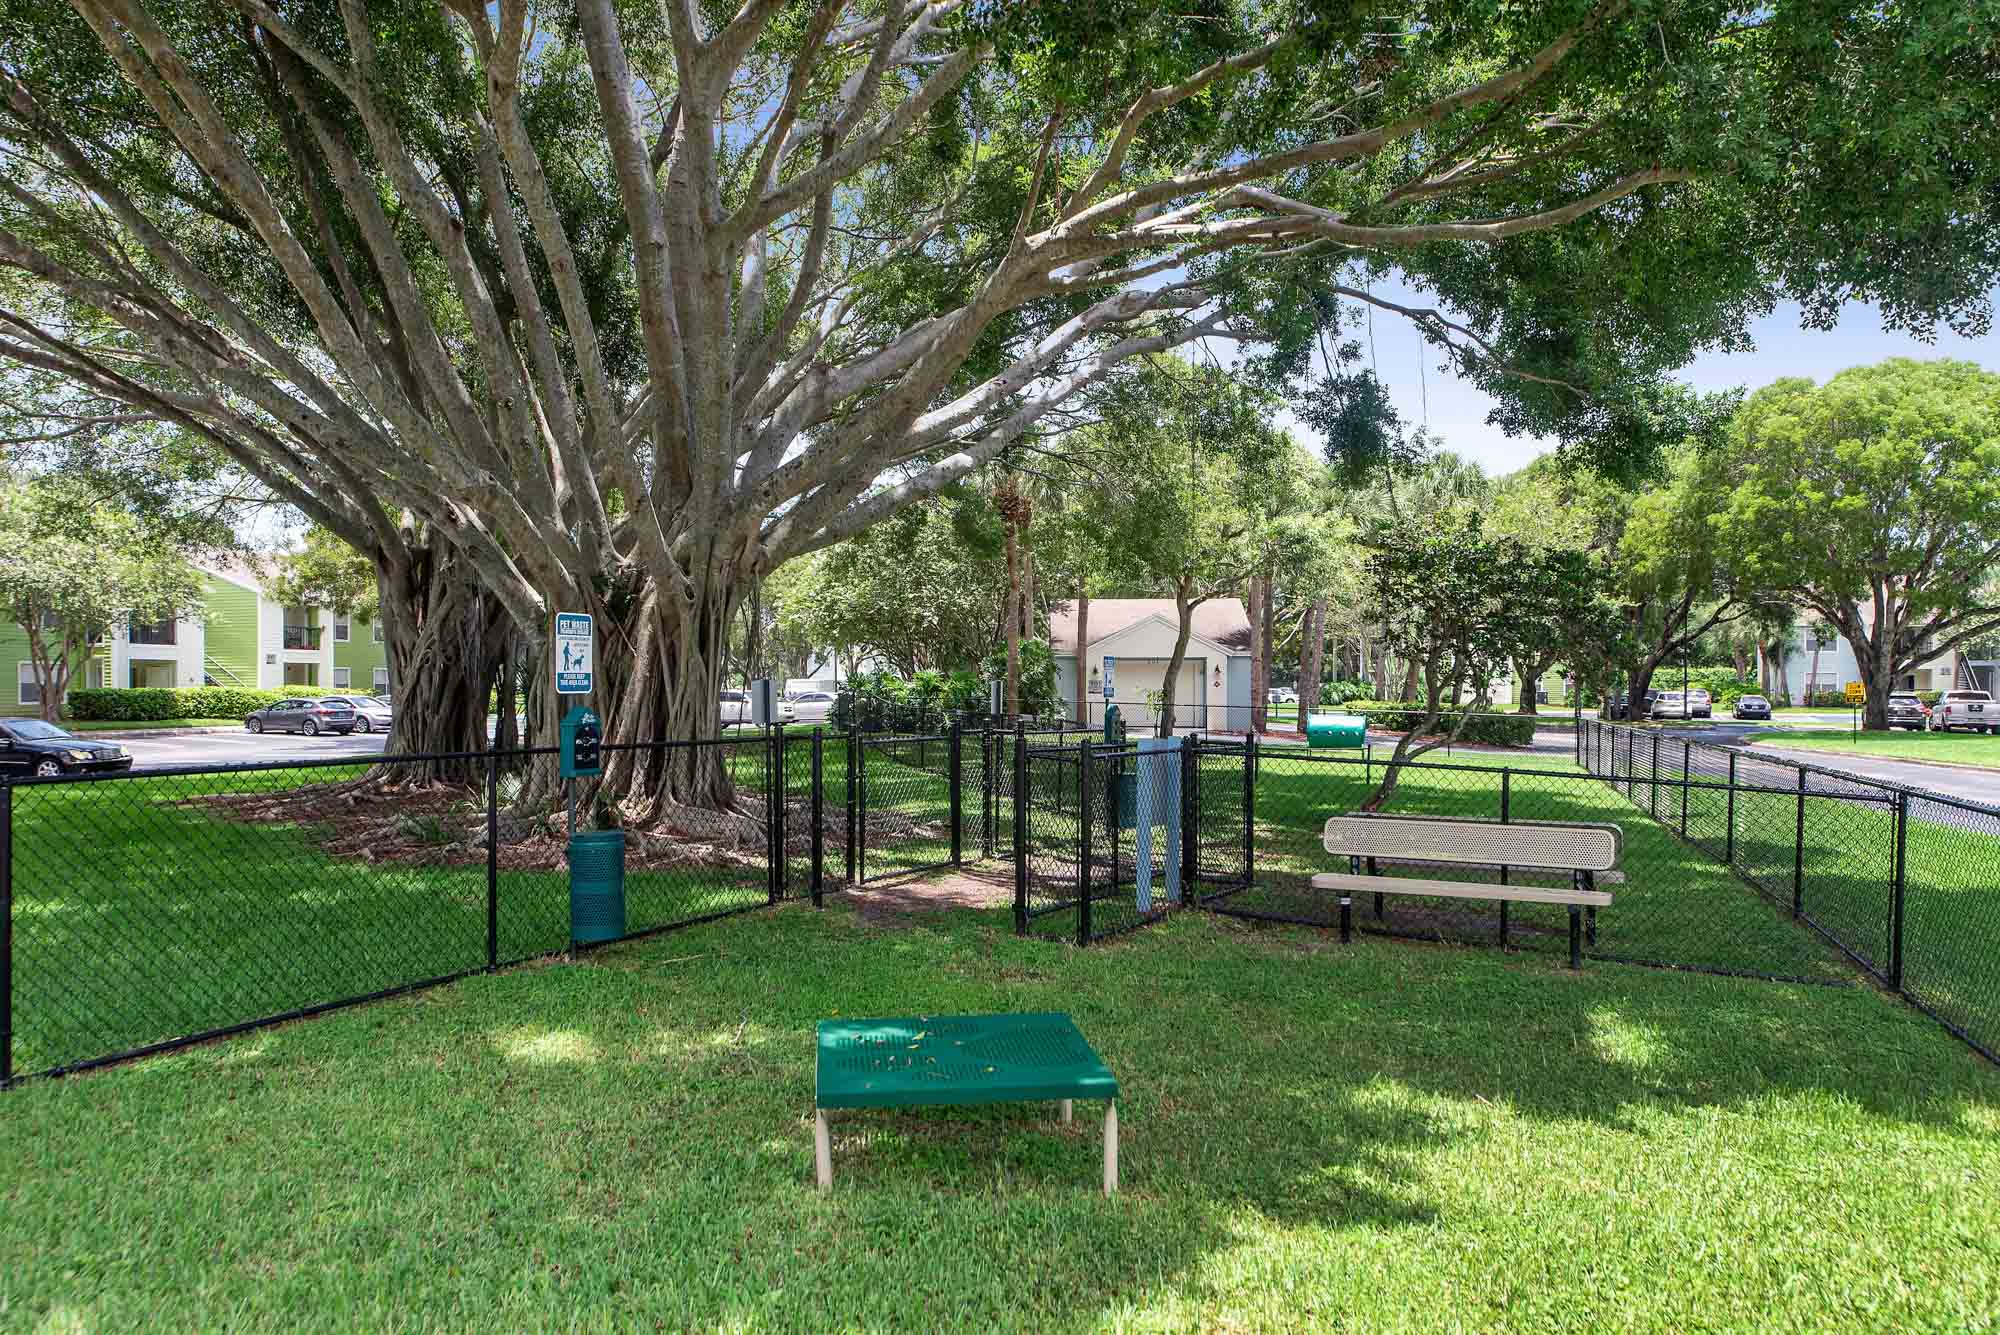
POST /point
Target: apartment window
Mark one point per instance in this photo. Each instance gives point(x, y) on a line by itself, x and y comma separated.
point(28, 691)
point(340, 629)
point(378, 630)
point(153, 632)
point(381, 680)
point(343, 678)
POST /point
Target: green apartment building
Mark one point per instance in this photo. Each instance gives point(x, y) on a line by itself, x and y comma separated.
point(241, 638)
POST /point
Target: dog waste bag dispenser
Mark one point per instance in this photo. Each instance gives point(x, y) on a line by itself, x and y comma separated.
point(596, 857)
point(1121, 780)
point(582, 744)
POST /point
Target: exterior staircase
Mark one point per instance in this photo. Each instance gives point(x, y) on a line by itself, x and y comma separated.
point(220, 674)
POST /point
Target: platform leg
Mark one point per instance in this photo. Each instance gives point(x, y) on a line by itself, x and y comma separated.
point(1575, 938)
point(822, 1150)
point(1346, 918)
point(1068, 1111)
point(1111, 1147)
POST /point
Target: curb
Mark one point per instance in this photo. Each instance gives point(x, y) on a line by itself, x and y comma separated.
point(1960, 766)
point(139, 734)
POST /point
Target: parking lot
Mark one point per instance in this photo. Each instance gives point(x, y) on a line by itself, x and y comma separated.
point(243, 748)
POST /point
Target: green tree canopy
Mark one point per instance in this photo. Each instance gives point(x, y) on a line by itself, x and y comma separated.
point(620, 307)
point(1874, 502)
point(72, 567)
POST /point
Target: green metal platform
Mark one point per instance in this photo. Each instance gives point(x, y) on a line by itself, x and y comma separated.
point(927, 1060)
point(942, 1059)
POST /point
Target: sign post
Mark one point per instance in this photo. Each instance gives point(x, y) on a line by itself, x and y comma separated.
point(573, 661)
point(1857, 694)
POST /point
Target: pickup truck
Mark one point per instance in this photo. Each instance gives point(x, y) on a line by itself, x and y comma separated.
point(1966, 709)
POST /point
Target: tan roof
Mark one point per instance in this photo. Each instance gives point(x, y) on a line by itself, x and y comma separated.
point(1221, 620)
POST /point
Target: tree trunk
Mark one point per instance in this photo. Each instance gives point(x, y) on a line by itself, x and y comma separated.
point(1812, 673)
point(1027, 593)
point(1312, 659)
point(1784, 676)
point(1875, 658)
point(443, 639)
point(1083, 652)
point(1741, 661)
point(1259, 655)
point(1269, 655)
point(1409, 683)
point(1012, 619)
point(1165, 724)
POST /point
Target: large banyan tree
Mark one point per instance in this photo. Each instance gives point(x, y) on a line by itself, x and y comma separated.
point(613, 305)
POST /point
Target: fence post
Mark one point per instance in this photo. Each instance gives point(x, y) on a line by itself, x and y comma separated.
point(818, 819)
point(1020, 829)
point(774, 810)
point(1190, 808)
point(955, 784)
point(1687, 751)
point(6, 935)
point(853, 808)
point(1729, 842)
point(1506, 817)
point(1799, 852)
point(989, 788)
point(1250, 810)
point(492, 860)
point(1654, 808)
point(1897, 890)
point(1083, 868)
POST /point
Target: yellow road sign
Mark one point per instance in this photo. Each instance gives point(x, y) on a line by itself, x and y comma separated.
point(1856, 693)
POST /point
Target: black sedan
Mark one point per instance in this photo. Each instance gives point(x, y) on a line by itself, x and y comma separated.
point(30, 746)
point(304, 714)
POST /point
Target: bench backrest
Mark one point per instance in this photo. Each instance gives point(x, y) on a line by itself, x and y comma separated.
point(1558, 844)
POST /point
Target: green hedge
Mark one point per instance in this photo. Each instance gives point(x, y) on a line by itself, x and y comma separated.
point(1484, 728)
point(156, 704)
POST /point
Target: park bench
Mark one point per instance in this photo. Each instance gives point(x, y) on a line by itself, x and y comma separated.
point(930, 1060)
point(1583, 852)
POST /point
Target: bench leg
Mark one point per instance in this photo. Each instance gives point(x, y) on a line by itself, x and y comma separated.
point(1378, 908)
point(1575, 938)
point(822, 1149)
point(1111, 1147)
point(1590, 925)
point(1503, 922)
point(1346, 919)
point(1068, 1111)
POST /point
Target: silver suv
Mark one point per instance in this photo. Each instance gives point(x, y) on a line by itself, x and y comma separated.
point(1907, 710)
point(1966, 709)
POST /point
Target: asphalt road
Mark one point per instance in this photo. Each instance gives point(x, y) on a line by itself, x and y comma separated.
point(1953, 781)
point(243, 748)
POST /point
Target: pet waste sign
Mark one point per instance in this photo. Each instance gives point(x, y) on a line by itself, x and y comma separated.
point(575, 651)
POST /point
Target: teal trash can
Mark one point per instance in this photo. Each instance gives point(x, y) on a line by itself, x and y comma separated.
point(596, 886)
point(1346, 730)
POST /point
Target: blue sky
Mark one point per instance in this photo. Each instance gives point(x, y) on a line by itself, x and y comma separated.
point(1457, 410)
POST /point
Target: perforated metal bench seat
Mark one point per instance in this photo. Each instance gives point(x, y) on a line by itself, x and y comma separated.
point(1582, 851)
point(929, 1060)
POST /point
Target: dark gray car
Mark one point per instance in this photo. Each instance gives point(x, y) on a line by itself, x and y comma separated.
point(372, 713)
point(307, 714)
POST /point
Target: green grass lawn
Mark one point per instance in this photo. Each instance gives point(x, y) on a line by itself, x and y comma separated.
point(1382, 1136)
point(1958, 748)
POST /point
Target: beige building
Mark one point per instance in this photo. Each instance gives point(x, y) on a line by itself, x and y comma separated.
point(1211, 693)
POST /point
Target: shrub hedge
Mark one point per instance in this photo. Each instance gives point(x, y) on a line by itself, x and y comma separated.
point(158, 704)
point(1485, 728)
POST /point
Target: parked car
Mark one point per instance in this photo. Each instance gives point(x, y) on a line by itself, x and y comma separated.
point(304, 714)
point(1699, 705)
point(1751, 706)
point(735, 707)
point(30, 746)
point(372, 713)
point(1669, 704)
point(809, 707)
point(1966, 709)
point(1282, 695)
point(1907, 710)
point(1615, 707)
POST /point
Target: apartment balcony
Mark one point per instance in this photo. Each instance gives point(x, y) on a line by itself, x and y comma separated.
point(158, 632)
point(302, 637)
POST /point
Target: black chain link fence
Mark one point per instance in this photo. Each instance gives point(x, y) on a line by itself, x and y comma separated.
point(1902, 882)
point(150, 909)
